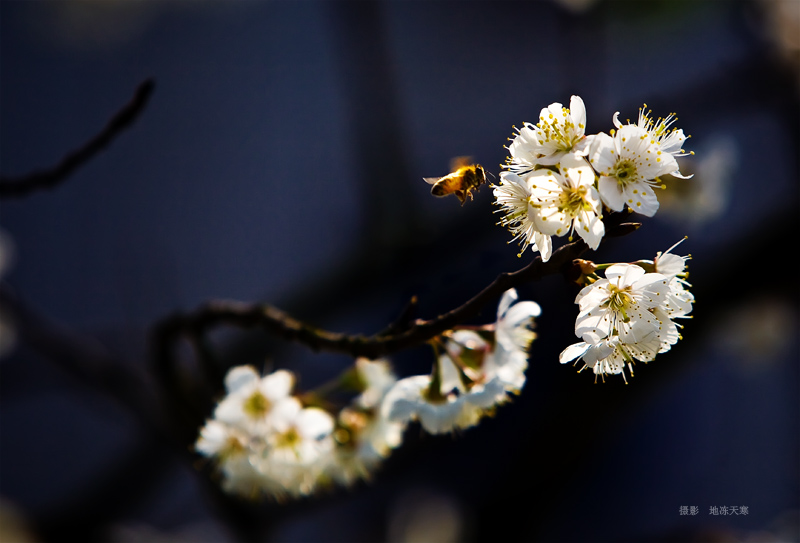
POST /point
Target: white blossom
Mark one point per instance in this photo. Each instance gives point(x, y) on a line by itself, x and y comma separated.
point(662, 135)
point(251, 399)
point(516, 201)
point(411, 399)
point(262, 438)
point(377, 378)
point(502, 359)
point(620, 304)
point(679, 299)
point(442, 402)
point(364, 436)
point(298, 434)
point(566, 201)
point(473, 376)
point(628, 316)
point(610, 356)
point(559, 131)
point(628, 165)
point(298, 450)
point(232, 449)
point(363, 440)
point(513, 335)
point(673, 267)
point(514, 321)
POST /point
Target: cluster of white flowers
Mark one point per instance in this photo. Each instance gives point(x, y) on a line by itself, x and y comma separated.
point(559, 180)
point(473, 374)
point(265, 441)
point(628, 315)
point(263, 438)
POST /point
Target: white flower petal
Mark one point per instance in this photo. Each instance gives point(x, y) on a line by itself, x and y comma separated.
point(509, 297)
point(240, 377)
point(641, 199)
point(545, 245)
point(314, 423)
point(378, 377)
point(610, 193)
point(277, 385)
point(591, 229)
point(449, 376)
point(577, 111)
point(603, 154)
point(576, 350)
point(627, 274)
point(401, 402)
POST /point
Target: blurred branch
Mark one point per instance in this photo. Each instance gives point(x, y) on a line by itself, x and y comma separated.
point(86, 359)
point(374, 113)
point(14, 187)
point(139, 470)
point(404, 320)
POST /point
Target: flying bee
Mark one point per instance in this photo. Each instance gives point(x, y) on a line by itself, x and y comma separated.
point(463, 179)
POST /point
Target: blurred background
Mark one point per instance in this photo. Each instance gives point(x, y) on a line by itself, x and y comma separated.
point(280, 159)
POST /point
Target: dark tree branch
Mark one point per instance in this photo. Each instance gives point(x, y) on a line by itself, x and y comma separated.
point(276, 321)
point(404, 320)
point(15, 187)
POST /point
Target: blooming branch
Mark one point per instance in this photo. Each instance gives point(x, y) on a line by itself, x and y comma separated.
point(266, 439)
point(14, 187)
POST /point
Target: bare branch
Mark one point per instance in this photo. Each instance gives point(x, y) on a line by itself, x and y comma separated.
point(15, 187)
point(272, 319)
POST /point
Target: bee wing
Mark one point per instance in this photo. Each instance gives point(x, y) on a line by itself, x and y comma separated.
point(431, 180)
point(460, 162)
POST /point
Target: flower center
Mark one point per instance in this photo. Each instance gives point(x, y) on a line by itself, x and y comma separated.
point(233, 446)
point(257, 405)
point(572, 200)
point(625, 172)
point(289, 439)
point(558, 130)
point(619, 300)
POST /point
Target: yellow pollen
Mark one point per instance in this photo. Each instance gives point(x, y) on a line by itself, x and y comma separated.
point(289, 438)
point(257, 405)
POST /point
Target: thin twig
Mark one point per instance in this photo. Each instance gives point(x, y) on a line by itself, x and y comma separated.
point(404, 320)
point(15, 187)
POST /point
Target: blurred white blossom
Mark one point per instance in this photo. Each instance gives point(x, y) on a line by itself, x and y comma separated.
point(513, 335)
point(252, 401)
point(263, 440)
point(705, 198)
point(364, 435)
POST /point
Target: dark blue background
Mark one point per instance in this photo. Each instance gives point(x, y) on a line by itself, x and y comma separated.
point(280, 159)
